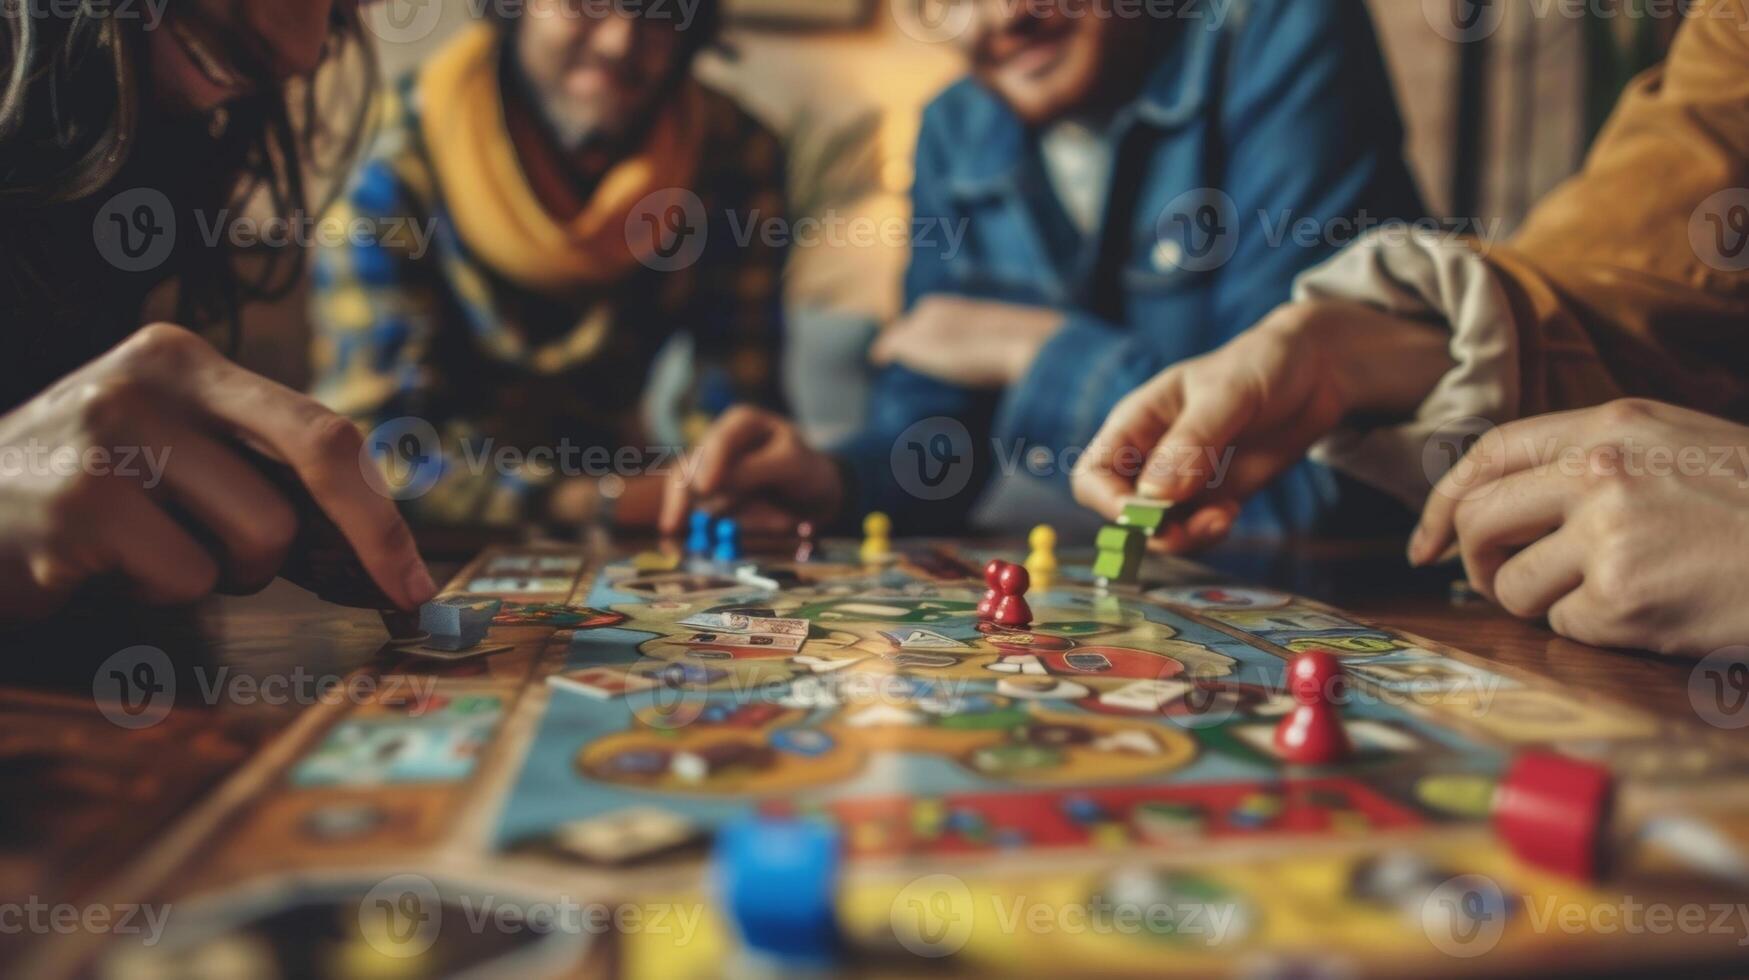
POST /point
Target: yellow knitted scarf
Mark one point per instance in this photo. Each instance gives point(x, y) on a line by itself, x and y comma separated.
point(495, 211)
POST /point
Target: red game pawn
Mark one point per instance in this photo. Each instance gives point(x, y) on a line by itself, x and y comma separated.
point(1011, 608)
point(1312, 733)
point(992, 593)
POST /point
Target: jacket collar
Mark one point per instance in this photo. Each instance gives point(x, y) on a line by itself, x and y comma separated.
point(995, 141)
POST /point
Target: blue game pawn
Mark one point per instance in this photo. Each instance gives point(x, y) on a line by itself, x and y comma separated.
point(728, 540)
point(698, 542)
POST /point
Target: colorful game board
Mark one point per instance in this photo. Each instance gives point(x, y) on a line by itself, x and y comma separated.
point(1115, 755)
point(1114, 720)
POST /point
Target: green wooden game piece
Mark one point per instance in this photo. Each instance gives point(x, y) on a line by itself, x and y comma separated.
point(1121, 550)
point(1148, 515)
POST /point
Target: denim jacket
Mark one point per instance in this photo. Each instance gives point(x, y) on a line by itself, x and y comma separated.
point(1264, 138)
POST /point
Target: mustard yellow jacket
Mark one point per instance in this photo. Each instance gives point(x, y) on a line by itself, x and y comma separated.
point(1632, 278)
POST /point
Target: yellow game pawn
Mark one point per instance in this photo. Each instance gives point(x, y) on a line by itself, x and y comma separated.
point(877, 538)
point(1042, 563)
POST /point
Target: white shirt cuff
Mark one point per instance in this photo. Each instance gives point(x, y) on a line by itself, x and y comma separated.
point(1430, 276)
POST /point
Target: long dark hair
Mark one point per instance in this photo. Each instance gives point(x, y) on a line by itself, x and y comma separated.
point(78, 125)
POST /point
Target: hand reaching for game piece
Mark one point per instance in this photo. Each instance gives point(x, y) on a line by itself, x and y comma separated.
point(213, 521)
point(1263, 399)
point(967, 342)
point(1626, 525)
point(754, 465)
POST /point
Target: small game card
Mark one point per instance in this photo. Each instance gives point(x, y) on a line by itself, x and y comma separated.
point(743, 623)
point(601, 683)
point(746, 641)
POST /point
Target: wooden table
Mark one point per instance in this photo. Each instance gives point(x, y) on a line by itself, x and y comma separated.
point(83, 795)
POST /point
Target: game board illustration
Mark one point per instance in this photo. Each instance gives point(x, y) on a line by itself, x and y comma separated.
point(1111, 764)
point(876, 697)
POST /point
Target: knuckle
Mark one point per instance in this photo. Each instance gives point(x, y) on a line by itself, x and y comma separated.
point(1625, 412)
point(334, 439)
point(1610, 487)
point(1612, 577)
point(108, 406)
point(163, 344)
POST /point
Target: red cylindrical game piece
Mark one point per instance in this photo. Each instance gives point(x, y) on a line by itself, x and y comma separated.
point(1553, 812)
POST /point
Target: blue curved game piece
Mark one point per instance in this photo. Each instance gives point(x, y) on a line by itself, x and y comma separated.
point(728, 540)
point(698, 542)
point(779, 880)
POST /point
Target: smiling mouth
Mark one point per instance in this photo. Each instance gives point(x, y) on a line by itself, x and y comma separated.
point(216, 70)
point(1032, 54)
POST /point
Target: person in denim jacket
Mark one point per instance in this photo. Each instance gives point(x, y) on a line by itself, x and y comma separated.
point(1112, 191)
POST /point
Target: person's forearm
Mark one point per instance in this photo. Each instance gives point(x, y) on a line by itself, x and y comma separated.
point(1383, 364)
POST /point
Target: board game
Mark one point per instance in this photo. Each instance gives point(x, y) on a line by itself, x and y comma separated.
point(1096, 792)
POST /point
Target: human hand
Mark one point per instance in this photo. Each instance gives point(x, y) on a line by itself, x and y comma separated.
point(967, 342)
point(1626, 525)
point(755, 466)
point(1209, 432)
point(142, 479)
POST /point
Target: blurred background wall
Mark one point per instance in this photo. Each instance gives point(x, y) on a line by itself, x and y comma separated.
point(1493, 124)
